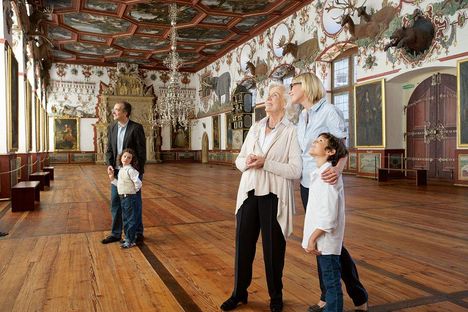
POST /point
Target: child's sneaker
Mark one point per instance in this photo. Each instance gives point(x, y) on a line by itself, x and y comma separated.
point(126, 244)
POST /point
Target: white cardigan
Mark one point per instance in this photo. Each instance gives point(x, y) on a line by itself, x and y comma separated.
point(283, 164)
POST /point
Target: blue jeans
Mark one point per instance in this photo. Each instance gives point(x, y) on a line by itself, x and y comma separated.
point(330, 271)
point(349, 272)
point(129, 204)
point(116, 211)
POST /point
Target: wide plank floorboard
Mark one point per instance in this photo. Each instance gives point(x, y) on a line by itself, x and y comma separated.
point(410, 245)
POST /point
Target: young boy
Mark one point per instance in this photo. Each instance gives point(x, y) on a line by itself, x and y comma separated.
point(324, 221)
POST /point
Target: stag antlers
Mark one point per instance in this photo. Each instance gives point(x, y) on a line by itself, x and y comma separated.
point(349, 6)
point(281, 42)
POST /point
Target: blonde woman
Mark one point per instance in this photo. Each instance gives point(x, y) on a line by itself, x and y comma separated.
point(270, 160)
point(319, 116)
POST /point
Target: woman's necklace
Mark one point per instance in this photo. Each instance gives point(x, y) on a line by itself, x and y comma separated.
point(268, 125)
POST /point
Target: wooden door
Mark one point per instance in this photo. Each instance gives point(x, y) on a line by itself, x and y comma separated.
point(431, 126)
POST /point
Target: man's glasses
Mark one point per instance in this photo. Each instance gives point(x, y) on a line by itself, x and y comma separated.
point(293, 84)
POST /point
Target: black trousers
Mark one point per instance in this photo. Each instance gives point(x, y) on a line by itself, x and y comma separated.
point(349, 273)
point(259, 213)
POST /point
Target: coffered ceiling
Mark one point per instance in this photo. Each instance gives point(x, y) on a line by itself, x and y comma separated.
point(106, 32)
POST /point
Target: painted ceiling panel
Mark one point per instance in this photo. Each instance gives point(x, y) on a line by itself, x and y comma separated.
point(238, 6)
point(138, 42)
point(157, 12)
point(59, 33)
point(59, 4)
point(100, 24)
point(203, 34)
point(93, 38)
point(247, 24)
point(103, 32)
point(100, 5)
point(217, 19)
point(86, 48)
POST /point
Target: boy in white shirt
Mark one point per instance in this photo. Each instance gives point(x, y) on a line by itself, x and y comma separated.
point(324, 221)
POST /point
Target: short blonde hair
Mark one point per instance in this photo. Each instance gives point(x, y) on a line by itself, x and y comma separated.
point(285, 95)
point(312, 86)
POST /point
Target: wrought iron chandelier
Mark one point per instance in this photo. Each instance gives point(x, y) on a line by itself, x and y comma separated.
point(176, 105)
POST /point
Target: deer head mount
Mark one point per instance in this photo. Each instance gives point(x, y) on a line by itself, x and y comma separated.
point(259, 70)
point(372, 25)
point(31, 23)
point(37, 17)
point(303, 51)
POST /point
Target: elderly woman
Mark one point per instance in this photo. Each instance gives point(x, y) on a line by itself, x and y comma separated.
point(319, 116)
point(269, 160)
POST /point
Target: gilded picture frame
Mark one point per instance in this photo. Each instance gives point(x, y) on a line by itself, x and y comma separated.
point(216, 132)
point(229, 130)
point(369, 162)
point(29, 117)
point(37, 123)
point(180, 137)
point(66, 133)
point(12, 85)
point(369, 114)
point(462, 103)
point(463, 167)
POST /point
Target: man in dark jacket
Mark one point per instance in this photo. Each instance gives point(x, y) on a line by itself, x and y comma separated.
point(122, 134)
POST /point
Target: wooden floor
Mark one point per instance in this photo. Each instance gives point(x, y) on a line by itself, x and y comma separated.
point(410, 245)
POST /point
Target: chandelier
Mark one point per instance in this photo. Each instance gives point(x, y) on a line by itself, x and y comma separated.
point(176, 105)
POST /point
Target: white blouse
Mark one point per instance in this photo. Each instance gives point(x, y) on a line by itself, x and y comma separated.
point(265, 139)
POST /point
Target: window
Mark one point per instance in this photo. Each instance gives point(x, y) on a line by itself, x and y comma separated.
point(341, 73)
point(343, 79)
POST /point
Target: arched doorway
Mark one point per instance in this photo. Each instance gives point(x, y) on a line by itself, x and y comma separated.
point(431, 126)
point(205, 147)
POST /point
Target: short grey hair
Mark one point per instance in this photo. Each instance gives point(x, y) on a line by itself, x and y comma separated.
point(283, 89)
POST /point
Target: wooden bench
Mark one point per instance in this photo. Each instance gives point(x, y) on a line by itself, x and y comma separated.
point(421, 174)
point(24, 194)
point(50, 170)
point(42, 177)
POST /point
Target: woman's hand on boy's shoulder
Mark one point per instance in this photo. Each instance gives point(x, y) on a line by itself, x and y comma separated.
point(330, 175)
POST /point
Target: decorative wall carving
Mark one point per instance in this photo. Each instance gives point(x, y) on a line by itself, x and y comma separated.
point(127, 87)
point(72, 98)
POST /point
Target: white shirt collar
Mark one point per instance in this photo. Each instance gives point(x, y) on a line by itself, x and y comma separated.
point(121, 125)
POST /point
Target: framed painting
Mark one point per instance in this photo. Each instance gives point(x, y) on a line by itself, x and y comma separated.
point(216, 132)
point(462, 104)
point(463, 167)
point(180, 137)
point(369, 162)
point(12, 99)
point(66, 134)
point(29, 117)
point(352, 162)
point(369, 114)
point(229, 129)
point(37, 123)
point(42, 122)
